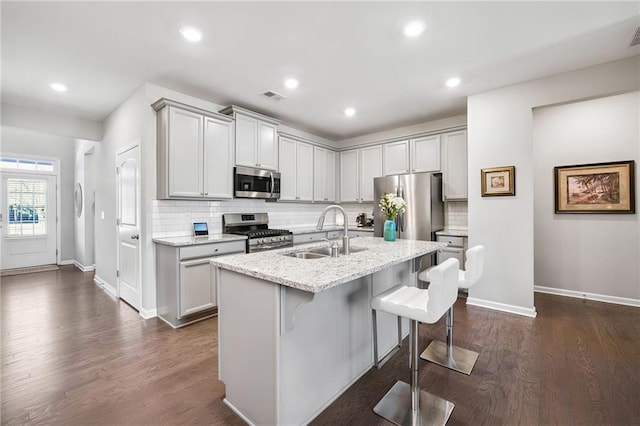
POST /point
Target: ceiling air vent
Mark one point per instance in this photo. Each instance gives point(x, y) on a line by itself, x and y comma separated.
point(635, 40)
point(273, 95)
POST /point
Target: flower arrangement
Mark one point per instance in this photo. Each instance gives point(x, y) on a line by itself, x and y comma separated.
point(392, 205)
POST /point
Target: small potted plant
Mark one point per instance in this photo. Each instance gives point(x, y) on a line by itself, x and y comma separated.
point(391, 205)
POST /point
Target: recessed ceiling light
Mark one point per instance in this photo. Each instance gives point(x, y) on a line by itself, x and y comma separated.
point(414, 28)
point(291, 83)
point(350, 112)
point(58, 87)
point(453, 82)
point(191, 34)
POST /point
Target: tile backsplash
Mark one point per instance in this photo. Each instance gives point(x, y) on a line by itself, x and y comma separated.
point(176, 217)
point(456, 215)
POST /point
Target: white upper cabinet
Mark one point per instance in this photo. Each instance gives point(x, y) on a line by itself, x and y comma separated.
point(370, 167)
point(454, 165)
point(255, 138)
point(304, 172)
point(396, 158)
point(218, 158)
point(349, 176)
point(358, 167)
point(194, 152)
point(266, 146)
point(296, 170)
point(324, 175)
point(425, 154)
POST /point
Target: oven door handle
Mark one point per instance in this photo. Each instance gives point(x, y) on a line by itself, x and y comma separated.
point(272, 184)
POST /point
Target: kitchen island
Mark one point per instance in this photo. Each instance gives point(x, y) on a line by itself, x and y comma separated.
point(295, 333)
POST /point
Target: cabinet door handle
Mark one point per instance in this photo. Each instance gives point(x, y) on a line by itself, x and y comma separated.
point(135, 237)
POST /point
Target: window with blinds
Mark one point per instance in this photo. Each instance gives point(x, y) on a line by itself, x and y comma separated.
point(27, 204)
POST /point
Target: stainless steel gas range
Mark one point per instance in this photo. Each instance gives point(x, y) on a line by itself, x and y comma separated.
point(256, 227)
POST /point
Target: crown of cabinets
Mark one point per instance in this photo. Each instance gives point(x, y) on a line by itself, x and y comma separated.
point(195, 152)
point(256, 143)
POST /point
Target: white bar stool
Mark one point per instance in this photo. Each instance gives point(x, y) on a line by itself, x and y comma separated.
point(447, 355)
point(406, 404)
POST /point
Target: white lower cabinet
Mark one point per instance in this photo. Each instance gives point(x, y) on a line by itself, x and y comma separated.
point(185, 280)
point(197, 289)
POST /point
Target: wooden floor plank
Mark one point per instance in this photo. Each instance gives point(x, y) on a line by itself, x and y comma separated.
point(72, 354)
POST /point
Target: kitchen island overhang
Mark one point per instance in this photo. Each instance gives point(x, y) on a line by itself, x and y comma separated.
point(295, 333)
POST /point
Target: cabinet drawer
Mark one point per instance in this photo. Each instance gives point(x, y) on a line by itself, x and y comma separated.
point(452, 241)
point(308, 238)
point(448, 253)
point(213, 249)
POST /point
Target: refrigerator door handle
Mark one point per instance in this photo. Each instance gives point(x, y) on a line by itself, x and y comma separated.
point(401, 215)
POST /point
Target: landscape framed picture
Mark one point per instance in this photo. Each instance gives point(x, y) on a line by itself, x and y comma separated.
point(498, 181)
point(595, 188)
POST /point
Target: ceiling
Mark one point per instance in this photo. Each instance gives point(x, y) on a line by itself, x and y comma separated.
point(343, 54)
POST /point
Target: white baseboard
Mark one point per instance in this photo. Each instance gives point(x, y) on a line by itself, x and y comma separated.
point(66, 262)
point(588, 296)
point(108, 288)
point(148, 313)
point(513, 309)
point(82, 267)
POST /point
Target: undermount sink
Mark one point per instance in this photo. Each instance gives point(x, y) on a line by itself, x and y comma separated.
point(320, 252)
point(307, 255)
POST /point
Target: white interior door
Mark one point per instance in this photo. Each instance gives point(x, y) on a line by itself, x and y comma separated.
point(128, 191)
point(28, 221)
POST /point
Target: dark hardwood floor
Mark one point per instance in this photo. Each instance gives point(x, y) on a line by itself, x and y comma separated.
point(73, 355)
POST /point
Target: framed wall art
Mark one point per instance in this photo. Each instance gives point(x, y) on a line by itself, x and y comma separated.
point(498, 181)
point(595, 188)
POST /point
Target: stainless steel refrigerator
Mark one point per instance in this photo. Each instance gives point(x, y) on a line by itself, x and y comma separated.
point(425, 209)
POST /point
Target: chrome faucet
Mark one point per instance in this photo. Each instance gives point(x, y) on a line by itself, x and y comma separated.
point(345, 235)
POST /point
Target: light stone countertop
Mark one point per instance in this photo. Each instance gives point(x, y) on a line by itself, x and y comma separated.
point(454, 232)
point(316, 275)
point(190, 240)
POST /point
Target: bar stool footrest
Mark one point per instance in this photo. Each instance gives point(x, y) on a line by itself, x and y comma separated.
point(461, 360)
point(395, 406)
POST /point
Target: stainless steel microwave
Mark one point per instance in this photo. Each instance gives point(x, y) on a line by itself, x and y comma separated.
point(256, 183)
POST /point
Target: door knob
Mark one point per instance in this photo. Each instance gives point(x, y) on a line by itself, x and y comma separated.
point(135, 237)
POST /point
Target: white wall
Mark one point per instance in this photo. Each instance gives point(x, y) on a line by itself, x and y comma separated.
point(585, 253)
point(128, 124)
point(500, 133)
point(31, 143)
point(84, 175)
point(50, 123)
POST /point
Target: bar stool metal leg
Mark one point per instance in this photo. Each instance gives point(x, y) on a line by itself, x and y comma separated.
point(377, 364)
point(406, 404)
point(447, 355)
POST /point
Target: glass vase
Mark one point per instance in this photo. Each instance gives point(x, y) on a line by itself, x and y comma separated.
point(389, 231)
